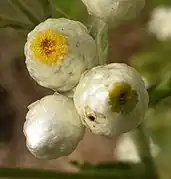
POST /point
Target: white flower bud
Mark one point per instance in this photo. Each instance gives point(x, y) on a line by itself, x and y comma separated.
point(159, 23)
point(53, 127)
point(114, 11)
point(111, 99)
point(58, 51)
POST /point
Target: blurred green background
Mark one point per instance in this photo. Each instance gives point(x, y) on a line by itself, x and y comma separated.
point(129, 43)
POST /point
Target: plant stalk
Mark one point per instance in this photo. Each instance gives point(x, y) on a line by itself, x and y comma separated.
point(141, 140)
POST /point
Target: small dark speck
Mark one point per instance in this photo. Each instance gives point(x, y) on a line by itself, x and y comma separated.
point(92, 118)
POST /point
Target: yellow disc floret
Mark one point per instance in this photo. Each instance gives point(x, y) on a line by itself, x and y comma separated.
point(49, 46)
point(122, 98)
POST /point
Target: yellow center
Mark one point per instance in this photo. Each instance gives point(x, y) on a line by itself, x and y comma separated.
point(122, 98)
point(49, 46)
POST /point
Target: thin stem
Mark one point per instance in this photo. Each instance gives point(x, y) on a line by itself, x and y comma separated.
point(62, 12)
point(36, 173)
point(15, 26)
point(56, 9)
point(101, 41)
point(7, 22)
point(46, 8)
point(142, 142)
point(25, 10)
point(160, 91)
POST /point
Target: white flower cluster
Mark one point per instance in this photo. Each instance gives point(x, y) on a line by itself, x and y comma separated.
point(109, 100)
point(160, 23)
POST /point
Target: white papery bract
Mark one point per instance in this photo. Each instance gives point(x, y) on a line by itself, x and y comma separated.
point(160, 23)
point(58, 51)
point(111, 99)
point(114, 11)
point(53, 127)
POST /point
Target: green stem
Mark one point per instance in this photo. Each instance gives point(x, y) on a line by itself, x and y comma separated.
point(15, 26)
point(25, 10)
point(36, 173)
point(143, 145)
point(160, 91)
point(102, 42)
point(56, 11)
point(46, 4)
point(8, 22)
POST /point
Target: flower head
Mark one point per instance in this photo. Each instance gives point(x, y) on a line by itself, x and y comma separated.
point(114, 11)
point(111, 99)
point(122, 98)
point(58, 51)
point(49, 46)
point(53, 127)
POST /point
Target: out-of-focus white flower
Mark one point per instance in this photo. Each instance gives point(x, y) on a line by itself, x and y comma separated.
point(111, 99)
point(114, 11)
point(53, 127)
point(58, 51)
point(160, 23)
point(126, 150)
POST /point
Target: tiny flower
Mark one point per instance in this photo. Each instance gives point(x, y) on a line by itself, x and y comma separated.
point(53, 127)
point(160, 24)
point(114, 11)
point(111, 99)
point(58, 51)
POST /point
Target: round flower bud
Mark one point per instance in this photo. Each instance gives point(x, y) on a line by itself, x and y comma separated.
point(114, 11)
point(58, 51)
point(53, 127)
point(111, 99)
